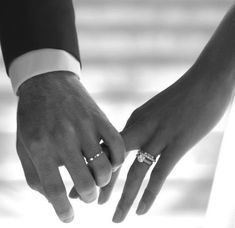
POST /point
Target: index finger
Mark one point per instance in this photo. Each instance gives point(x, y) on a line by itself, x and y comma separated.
point(113, 140)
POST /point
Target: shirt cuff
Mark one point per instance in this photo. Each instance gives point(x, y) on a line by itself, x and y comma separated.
point(41, 61)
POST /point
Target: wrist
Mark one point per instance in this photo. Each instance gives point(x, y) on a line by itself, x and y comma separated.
point(47, 83)
point(212, 80)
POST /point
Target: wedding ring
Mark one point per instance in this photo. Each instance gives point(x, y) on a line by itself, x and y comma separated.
point(94, 157)
point(145, 157)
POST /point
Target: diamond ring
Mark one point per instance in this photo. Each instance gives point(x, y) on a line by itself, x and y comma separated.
point(145, 157)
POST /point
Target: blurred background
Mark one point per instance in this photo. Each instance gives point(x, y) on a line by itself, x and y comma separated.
point(131, 50)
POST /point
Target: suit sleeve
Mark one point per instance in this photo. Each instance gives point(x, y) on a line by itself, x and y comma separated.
point(27, 25)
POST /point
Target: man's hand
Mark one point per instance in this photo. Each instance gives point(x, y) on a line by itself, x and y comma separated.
point(58, 124)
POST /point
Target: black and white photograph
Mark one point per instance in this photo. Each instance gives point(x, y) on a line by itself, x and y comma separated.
point(117, 113)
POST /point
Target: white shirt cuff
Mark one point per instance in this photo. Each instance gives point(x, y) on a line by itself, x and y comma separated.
point(41, 61)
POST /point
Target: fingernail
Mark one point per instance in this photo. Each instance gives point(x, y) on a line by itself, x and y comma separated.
point(89, 197)
point(118, 216)
point(141, 209)
point(67, 217)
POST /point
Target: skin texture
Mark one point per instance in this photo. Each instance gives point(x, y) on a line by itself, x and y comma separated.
point(170, 123)
point(58, 124)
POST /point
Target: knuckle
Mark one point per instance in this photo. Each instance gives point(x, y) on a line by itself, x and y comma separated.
point(149, 195)
point(67, 130)
point(117, 139)
point(103, 178)
point(135, 113)
point(54, 190)
point(36, 145)
point(103, 182)
point(33, 184)
point(119, 160)
point(86, 186)
point(91, 146)
point(119, 150)
point(85, 116)
point(103, 174)
point(126, 201)
point(104, 168)
point(132, 175)
point(34, 131)
point(70, 129)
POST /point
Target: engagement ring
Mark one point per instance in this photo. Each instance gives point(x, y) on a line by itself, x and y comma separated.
point(145, 157)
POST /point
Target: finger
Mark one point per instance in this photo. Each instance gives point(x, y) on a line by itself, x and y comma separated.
point(164, 166)
point(54, 187)
point(73, 194)
point(133, 182)
point(114, 142)
point(29, 169)
point(135, 178)
point(131, 137)
point(98, 163)
point(105, 192)
point(84, 183)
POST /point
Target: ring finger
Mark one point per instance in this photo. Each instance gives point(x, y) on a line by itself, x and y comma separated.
point(98, 163)
point(133, 182)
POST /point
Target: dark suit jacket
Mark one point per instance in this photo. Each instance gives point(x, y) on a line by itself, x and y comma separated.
point(27, 25)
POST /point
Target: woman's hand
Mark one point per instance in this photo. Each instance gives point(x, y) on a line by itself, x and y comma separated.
point(172, 122)
point(168, 125)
